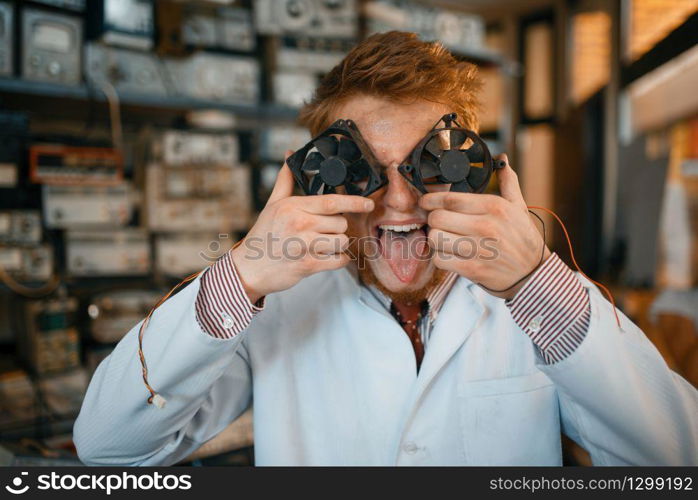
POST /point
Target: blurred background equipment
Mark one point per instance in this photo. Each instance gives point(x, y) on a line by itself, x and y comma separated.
point(196, 182)
point(127, 71)
point(27, 263)
point(20, 226)
point(231, 79)
point(212, 27)
point(51, 343)
point(6, 38)
point(125, 23)
point(181, 254)
point(85, 205)
point(114, 313)
point(58, 164)
point(17, 395)
point(116, 252)
point(51, 47)
point(140, 138)
point(76, 5)
point(319, 18)
point(14, 128)
point(462, 33)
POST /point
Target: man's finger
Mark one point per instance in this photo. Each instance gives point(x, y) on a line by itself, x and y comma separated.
point(283, 187)
point(329, 224)
point(329, 204)
point(448, 261)
point(467, 203)
point(460, 223)
point(509, 183)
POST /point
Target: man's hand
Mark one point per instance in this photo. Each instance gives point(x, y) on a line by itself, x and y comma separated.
point(491, 240)
point(294, 237)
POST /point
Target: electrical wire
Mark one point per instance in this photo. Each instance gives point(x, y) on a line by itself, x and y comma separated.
point(540, 261)
point(117, 134)
point(574, 261)
point(154, 397)
point(569, 244)
point(29, 291)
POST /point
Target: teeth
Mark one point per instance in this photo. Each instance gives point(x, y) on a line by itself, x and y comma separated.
point(400, 229)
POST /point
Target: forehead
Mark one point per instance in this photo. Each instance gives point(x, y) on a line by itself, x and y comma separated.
point(392, 129)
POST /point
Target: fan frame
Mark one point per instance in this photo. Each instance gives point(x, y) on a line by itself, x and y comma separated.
point(346, 129)
point(412, 171)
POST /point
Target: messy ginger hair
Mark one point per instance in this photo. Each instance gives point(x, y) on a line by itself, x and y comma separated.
point(398, 66)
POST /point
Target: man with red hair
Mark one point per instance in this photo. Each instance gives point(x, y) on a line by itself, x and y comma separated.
point(442, 355)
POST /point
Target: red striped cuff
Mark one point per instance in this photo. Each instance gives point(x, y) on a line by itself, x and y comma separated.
point(553, 309)
point(222, 307)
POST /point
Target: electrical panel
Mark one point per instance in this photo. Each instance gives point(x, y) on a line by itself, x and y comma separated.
point(181, 254)
point(338, 18)
point(217, 77)
point(128, 71)
point(226, 28)
point(51, 47)
point(20, 227)
point(120, 252)
point(79, 206)
point(125, 23)
point(112, 314)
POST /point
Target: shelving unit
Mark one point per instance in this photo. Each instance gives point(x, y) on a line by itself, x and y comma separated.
point(256, 113)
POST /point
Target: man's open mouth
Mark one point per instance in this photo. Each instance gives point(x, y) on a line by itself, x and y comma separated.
point(403, 246)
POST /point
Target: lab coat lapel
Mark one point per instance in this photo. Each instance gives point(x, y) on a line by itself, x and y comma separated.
point(459, 316)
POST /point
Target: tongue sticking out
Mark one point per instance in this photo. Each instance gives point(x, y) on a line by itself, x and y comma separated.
point(404, 251)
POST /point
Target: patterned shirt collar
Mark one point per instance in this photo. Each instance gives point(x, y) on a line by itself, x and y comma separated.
point(435, 299)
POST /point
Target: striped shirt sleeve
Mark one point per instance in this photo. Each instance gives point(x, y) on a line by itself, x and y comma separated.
point(553, 309)
point(222, 307)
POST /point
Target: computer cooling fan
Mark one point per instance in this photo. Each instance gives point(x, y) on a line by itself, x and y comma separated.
point(450, 155)
point(337, 157)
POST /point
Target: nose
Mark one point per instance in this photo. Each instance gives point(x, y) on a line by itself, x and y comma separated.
point(399, 194)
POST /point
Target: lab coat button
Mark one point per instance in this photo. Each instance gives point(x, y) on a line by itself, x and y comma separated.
point(535, 324)
point(410, 448)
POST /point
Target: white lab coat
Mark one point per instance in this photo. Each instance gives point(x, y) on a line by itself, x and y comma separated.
point(333, 381)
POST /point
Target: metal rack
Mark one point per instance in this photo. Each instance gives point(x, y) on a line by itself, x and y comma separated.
point(259, 113)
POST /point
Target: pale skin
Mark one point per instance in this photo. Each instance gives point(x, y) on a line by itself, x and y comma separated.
point(321, 222)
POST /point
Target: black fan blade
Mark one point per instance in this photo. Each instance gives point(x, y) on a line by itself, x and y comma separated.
point(475, 153)
point(352, 188)
point(457, 138)
point(431, 157)
point(477, 177)
point(461, 187)
point(327, 146)
point(316, 184)
point(359, 171)
point(348, 150)
point(312, 163)
point(428, 167)
point(433, 147)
